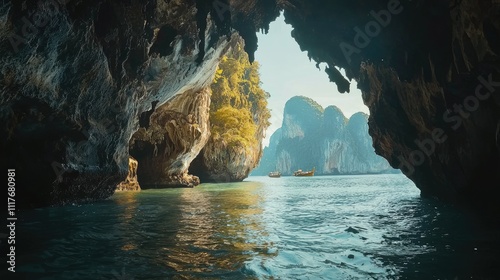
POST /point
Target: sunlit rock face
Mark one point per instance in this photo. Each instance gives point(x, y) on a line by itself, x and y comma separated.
point(77, 85)
point(221, 163)
point(130, 183)
point(323, 139)
point(177, 132)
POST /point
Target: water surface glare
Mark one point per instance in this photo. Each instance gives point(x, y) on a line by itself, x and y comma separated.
point(332, 227)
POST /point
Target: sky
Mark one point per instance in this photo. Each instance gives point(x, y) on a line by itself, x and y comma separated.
point(286, 71)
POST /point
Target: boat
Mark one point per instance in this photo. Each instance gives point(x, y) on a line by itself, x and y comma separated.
point(300, 173)
point(275, 174)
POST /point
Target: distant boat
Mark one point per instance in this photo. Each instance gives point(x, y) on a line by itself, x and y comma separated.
point(300, 173)
point(275, 174)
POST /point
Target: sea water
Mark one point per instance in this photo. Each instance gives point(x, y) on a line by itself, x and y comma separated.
point(322, 227)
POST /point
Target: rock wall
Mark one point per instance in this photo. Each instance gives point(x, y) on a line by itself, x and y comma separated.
point(178, 131)
point(268, 161)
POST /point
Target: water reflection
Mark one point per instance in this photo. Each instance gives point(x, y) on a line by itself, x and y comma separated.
point(439, 241)
point(218, 229)
point(128, 200)
point(289, 228)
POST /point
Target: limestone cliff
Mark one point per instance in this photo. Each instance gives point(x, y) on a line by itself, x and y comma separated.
point(324, 139)
point(178, 131)
point(238, 120)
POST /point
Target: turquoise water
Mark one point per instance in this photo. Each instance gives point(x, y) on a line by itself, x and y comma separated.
point(333, 227)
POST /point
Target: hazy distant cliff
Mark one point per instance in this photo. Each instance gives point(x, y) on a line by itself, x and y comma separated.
point(323, 138)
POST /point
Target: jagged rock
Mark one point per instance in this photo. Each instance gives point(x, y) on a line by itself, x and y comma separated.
point(130, 183)
point(239, 118)
point(220, 163)
point(178, 131)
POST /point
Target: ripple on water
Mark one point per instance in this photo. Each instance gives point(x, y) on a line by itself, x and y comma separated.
point(343, 227)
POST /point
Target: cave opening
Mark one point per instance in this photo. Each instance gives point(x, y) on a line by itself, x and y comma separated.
point(428, 71)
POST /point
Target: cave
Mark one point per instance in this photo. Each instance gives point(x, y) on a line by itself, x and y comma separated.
point(427, 70)
point(85, 85)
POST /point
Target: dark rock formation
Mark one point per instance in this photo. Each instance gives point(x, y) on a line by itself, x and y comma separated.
point(324, 139)
point(179, 130)
point(131, 183)
point(428, 71)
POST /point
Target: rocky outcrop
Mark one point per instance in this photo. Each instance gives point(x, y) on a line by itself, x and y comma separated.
point(324, 139)
point(178, 131)
point(239, 118)
point(348, 148)
point(130, 183)
point(221, 163)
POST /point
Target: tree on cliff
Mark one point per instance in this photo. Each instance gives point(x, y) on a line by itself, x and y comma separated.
point(238, 120)
point(238, 110)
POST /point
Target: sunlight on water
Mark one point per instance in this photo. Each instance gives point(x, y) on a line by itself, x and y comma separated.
point(332, 227)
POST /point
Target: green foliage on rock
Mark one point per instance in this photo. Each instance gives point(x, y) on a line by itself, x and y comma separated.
point(238, 110)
